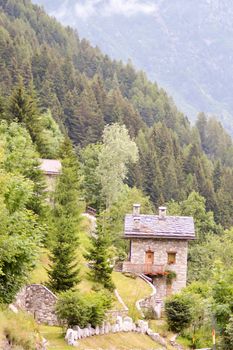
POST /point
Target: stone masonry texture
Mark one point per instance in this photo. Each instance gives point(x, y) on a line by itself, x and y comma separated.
point(161, 248)
point(38, 301)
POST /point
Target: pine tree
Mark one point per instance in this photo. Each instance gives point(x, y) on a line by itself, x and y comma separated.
point(217, 175)
point(18, 106)
point(64, 271)
point(98, 256)
point(23, 108)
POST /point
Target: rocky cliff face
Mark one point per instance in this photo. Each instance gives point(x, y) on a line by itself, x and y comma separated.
point(185, 45)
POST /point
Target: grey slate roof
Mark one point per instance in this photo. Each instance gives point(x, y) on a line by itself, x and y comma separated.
point(153, 226)
point(50, 166)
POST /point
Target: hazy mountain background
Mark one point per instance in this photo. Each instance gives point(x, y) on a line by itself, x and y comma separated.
point(185, 45)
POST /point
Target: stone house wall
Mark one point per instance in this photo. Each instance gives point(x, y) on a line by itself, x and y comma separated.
point(51, 180)
point(161, 248)
point(38, 301)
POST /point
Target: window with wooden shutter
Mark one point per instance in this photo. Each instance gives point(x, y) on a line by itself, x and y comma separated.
point(171, 258)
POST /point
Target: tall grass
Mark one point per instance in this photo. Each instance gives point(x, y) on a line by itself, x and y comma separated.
point(20, 329)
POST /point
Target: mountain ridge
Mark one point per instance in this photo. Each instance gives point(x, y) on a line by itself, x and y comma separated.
point(185, 47)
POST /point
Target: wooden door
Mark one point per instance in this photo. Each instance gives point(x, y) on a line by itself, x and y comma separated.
point(149, 257)
point(149, 261)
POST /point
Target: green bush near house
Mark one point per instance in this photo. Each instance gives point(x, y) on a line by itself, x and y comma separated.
point(76, 309)
point(178, 309)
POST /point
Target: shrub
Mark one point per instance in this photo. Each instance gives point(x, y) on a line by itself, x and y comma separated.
point(227, 341)
point(178, 309)
point(98, 304)
point(72, 309)
point(75, 309)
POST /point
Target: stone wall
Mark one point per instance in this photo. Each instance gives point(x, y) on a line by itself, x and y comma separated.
point(38, 301)
point(125, 324)
point(161, 247)
point(150, 303)
point(51, 180)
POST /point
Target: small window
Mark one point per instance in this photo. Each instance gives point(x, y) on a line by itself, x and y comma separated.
point(171, 258)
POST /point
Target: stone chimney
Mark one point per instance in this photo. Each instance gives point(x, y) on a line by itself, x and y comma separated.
point(136, 223)
point(136, 209)
point(162, 212)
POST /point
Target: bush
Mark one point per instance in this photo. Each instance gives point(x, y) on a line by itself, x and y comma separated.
point(98, 304)
point(75, 309)
point(72, 309)
point(178, 309)
point(227, 341)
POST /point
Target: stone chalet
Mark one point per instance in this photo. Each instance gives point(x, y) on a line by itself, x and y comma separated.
point(51, 169)
point(158, 248)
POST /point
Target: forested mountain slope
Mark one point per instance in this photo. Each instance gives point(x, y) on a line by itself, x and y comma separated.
point(185, 45)
point(131, 145)
point(85, 90)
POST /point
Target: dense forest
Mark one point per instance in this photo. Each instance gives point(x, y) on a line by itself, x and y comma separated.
point(130, 144)
point(85, 90)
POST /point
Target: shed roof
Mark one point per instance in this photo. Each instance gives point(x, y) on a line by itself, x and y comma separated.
point(153, 226)
point(50, 166)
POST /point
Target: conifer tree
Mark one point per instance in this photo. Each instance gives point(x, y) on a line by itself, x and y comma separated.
point(18, 106)
point(99, 257)
point(23, 108)
point(64, 271)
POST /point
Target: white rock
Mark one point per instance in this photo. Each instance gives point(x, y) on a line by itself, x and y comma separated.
point(44, 344)
point(75, 335)
point(143, 325)
point(119, 321)
point(156, 337)
point(78, 330)
point(70, 339)
point(92, 331)
point(114, 328)
point(97, 330)
point(102, 330)
point(86, 332)
point(80, 333)
point(128, 319)
point(13, 308)
point(69, 330)
point(134, 327)
point(106, 328)
point(149, 331)
point(127, 326)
